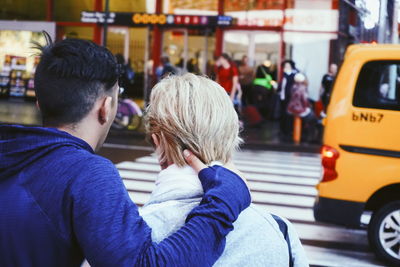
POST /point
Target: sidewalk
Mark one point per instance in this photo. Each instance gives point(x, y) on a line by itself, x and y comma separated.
point(265, 137)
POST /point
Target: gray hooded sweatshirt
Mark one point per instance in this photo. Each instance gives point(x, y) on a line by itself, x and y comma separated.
point(255, 241)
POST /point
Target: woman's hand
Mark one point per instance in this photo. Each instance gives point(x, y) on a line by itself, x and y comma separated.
point(198, 165)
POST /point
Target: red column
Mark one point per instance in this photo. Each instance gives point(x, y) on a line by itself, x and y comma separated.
point(282, 43)
point(333, 44)
point(156, 48)
point(219, 34)
point(157, 42)
point(97, 30)
point(50, 10)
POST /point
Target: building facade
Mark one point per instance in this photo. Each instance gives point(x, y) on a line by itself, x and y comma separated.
point(305, 31)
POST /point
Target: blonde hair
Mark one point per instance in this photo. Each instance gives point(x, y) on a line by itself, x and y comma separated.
point(192, 112)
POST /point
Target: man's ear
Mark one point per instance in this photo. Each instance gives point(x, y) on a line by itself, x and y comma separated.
point(105, 109)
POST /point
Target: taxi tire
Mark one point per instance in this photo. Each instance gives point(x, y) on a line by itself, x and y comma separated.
point(373, 232)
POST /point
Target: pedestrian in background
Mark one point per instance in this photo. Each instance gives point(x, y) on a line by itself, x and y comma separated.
point(166, 68)
point(193, 66)
point(192, 119)
point(285, 89)
point(246, 76)
point(126, 80)
point(263, 89)
point(299, 106)
point(326, 85)
point(227, 75)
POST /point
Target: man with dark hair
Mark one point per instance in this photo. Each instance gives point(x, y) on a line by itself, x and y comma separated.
point(167, 68)
point(60, 203)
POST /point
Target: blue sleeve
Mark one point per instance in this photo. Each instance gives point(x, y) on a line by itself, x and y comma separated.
point(111, 232)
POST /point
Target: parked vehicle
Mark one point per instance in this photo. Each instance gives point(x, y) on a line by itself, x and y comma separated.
point(361, 152)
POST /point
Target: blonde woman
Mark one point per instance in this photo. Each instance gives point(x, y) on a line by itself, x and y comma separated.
point(194, 112)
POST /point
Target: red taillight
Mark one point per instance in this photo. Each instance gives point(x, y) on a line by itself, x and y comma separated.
point(329, 157)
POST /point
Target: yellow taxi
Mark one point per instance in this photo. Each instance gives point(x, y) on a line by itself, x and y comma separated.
point(361, 152)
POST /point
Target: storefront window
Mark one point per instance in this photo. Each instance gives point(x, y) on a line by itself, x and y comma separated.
point(18, 61)
point(128, 6)
point(189, 50)
point(247, 5)
point(117, 40)
point(22, 10)
point(236, 44)
point(266, 47)
point(314, 4)
point(137, 48)
point(85, 33)
point(259, 46)
point(70, 10)
point(189, 7)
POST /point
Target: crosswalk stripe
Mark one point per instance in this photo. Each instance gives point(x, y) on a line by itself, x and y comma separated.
point(330, 233)
point(275, 199)
point(139, 198)
point(137, 166)
point(139, 185)
point(138, 175)
point(128, 165)
point(262, 178)
point(257, 153)
point(282, 199)
point(315, 165)
point(262, 163)
point(256, 187)
point(286, 171)
point(291, 213)
point(296, 157)
point(338, 258)
point(289, 161)
point(287, 189)
point(274, 164)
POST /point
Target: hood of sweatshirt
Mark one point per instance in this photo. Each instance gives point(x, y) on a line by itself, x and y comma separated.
point(21, 146)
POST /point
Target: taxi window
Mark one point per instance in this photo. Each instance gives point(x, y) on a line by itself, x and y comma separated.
point(378, 86)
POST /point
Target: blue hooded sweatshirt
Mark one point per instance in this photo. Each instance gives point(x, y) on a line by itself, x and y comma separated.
point(61, 203)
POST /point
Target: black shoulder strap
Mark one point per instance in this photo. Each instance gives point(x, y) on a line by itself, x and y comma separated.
point(284, 229)
point(263, 71)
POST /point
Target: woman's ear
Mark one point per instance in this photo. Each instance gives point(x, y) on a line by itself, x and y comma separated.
point(155, 140)
point(163, 164)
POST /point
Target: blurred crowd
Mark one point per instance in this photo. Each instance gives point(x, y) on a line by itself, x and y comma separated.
point(257, 94)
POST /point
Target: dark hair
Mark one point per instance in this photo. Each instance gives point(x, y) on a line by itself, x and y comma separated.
point(70, 77)
point(290, 62)
point(226, 56)
point(120, 58)
point(164, 59)
point(262, 71)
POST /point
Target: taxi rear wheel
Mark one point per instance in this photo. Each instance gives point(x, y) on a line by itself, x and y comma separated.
point(384, 233)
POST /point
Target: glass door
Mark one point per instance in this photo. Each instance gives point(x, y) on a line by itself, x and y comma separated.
point(259, 46)
point(189, 50)
point(175, 47)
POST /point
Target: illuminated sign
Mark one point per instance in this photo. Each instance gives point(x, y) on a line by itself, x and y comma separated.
point(97, 17)
point(139, 18)
point(146, 19)
point(293, 19)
